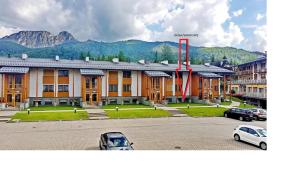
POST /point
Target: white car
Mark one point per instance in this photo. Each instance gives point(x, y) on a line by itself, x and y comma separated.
point(251, 134)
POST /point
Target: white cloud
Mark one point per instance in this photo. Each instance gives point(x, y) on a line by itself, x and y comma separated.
point(7, 31)
point(259, 16)
point(237, 13)
point(259, 40)
point(112, 20)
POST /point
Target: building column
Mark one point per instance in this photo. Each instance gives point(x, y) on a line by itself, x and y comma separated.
point(173, 84)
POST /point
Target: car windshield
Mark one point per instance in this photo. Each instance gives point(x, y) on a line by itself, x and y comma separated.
point(117, 142)
point(262, 132)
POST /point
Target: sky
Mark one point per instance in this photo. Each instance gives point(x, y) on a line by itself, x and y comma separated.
point(235, 23)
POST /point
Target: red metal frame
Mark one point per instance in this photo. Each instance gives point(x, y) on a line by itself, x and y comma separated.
point(183, 93)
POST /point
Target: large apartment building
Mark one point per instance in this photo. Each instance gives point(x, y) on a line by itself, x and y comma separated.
point(31, 81)
point(250, 81)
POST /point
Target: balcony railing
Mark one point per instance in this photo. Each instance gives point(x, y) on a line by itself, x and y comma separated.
point(262, 81)
point(253, 95)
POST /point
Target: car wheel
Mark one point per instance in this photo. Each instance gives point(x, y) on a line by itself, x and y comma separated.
point(263, 146)
point(241, 118)
point(236, 137)
point(225, 115)
point(255, 118)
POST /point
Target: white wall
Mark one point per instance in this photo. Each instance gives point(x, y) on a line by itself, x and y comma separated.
point(120, 85)
point(104, 83)
point(134, 75)
point(173, 83)
point(184, 81)
point(36, 75)
point(1, 88)
point(56, 82)
point(139, 74)
point(77, 83)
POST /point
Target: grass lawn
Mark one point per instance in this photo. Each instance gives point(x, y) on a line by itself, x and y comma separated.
point(235, 99)
point(113, 106)
point(204, 111)
point(145, 113)
point(59, 107)
point(185, 104)
point(225, 103)
point(246, 106)
point(49, 116)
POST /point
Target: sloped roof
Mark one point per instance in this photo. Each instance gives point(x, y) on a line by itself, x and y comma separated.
point(211, 75)
point(14, 70)
point(91, 72)
point(104, 65)
point(156, 74)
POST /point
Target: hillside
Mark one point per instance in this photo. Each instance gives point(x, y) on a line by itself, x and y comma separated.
point(133, 50)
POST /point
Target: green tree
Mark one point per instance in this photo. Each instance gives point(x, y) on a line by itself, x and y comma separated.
point(156, 59)
point(167, 54)
point(212, 59)
point(121, 56)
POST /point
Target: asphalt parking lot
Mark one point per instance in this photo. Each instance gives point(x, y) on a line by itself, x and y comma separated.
point(186, 133)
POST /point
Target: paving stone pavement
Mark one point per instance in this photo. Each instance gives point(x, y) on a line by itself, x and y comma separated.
point(170, 133)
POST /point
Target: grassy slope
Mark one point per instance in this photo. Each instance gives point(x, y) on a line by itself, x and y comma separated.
point(60, 107)
point(204, 111)
point(48, 116)
point(113, 106)
point(146, 113)
point(185, 104)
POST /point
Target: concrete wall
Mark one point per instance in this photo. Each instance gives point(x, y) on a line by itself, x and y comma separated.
point(36, 77)
point(104, 83)
point(1, 86)
point(120, 84)
point(184, 81)
point(134, 79)
point(139, 76)
point(77, 83)
point(173, 83)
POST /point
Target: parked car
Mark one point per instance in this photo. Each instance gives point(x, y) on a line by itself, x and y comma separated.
point(259, 114)
point(251, 134)
point(237, 113)
point(114, 141)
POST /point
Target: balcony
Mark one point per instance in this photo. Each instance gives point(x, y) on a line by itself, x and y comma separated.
point(262, 81)
point(253, 95)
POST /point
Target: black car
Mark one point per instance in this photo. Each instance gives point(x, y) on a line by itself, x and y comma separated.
point(114, 141)
point(241, 114)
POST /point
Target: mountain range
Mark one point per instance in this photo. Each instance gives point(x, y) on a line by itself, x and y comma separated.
point(42, 44)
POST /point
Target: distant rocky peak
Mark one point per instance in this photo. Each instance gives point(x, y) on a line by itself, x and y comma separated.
point(39, 39)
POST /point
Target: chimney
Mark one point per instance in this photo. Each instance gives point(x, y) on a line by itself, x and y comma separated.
point(206, 64)
point(184, 63)
point(141, 62)
point(115, 60)
point(87, 59)
point(165, 62)
point(57, 58)
point(24, 56)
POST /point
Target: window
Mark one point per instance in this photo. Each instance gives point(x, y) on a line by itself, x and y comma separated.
point(253, 132)
point(94, 97)
point(126, 74)
point(48, 88)
point(94, 82)
point(63, 88)
point(87, 83)
point(255, 89)
point(63, 73)
point(244, 129)
point(261, 90)
point(18, 79)
point(113, 88)
point(126, 88)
